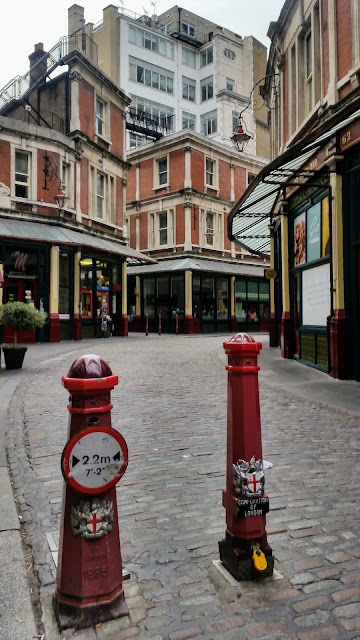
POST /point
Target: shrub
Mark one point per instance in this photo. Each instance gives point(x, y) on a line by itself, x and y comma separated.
point(20, 316)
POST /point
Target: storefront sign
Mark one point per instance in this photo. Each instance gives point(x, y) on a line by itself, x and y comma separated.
point(316, 295)
point(350, 136)
point(313, 232)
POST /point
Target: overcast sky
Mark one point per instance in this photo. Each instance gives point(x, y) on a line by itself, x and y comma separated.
point(26, 22)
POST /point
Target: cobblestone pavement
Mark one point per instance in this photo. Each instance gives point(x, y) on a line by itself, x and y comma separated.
point(170, 406)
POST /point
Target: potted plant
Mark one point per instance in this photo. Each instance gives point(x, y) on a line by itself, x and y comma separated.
point(19, 316)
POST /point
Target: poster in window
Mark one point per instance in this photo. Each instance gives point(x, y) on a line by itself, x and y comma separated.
point(313, 232)
point(299, 239)
point(325, 243)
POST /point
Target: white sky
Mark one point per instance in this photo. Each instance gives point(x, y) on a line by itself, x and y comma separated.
point(26, 22)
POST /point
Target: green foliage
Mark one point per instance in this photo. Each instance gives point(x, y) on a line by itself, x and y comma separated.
point(20, 316)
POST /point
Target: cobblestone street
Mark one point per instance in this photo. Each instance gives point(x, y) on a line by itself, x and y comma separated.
point(170, 406)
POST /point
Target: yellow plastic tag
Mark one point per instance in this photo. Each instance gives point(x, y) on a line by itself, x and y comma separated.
point(259, 560)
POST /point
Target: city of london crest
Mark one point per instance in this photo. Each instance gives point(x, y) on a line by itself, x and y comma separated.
point(92, 518)
point(249, 479)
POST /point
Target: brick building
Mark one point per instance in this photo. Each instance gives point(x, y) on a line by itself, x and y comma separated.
point(308, 195)
point(63, 237)
point(179, 193)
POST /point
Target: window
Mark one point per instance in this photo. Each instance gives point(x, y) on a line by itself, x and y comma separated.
point(162, 167)
point(165, 28)
point(308, 72)
point(188, 57)
point(235, 120)
point(100, 117)
point(209, 228)
point(206, 57)
point(64, 283)
point(208, 123)
point(151, 76)
point(207, 89)
point(136, 140)
point(188, 28)
point(228, 53)
point(188, 120)
point(210, 172)
point(230, 84)
point(188, 92)
point(22, 174)
point(250, 177)
point(162, 230)
point(151, 41)
point(152, 113)
point(100, 195)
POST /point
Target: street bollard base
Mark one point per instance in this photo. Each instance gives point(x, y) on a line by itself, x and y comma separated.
point(69, 616)
point(236, 556)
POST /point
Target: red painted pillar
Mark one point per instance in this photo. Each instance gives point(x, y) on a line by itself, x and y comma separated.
point(89, 575)
point(244, 499)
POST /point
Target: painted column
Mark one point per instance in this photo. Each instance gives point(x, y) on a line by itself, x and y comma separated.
point(78, 191)
point(187, 180)
point(138, 303)
point(124, 223)
point(137, 231)
point(124, 317)
point(232, 304)
point(188, 322)
point(77, 326)
point(187, 214)
point(332, 93)
point(286, 351)
point(75, 78)
point(54, 319)
point(272, 327)
point(337, 346)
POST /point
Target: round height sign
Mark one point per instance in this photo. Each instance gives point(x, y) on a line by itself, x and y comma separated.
point(94, 460)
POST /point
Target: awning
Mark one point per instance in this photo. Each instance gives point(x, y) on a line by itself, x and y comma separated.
point(200, 265)
point(248, 221)
point(63, 236)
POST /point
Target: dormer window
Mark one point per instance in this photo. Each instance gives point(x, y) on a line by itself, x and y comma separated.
point(188, 28)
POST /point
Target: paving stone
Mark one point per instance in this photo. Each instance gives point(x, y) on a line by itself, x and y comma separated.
point(311, 604)
point(347, 610)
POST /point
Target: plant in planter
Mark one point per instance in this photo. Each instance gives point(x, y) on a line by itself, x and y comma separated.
point(19, 316)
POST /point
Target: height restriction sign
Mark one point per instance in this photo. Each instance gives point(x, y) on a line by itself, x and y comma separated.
point(94, 460)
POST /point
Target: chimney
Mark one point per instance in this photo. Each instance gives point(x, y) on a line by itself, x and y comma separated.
point(75, 19)
point(38, 63)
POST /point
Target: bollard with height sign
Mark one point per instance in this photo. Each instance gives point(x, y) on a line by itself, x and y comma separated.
point(244, 551)
point(89, 575)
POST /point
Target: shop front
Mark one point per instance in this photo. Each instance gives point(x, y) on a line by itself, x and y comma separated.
point(194, 295)
point(78, 279)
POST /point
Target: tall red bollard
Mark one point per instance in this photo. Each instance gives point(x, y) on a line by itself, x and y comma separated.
point(244, 551)
point(89, 576)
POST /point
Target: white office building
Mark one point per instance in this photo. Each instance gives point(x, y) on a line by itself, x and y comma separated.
point(181, 72)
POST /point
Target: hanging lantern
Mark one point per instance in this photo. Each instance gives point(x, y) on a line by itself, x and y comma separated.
point(240, 138)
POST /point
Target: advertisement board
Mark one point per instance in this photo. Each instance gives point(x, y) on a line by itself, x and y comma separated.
point(316, 295)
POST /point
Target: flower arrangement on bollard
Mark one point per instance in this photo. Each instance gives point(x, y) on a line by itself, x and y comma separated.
point(19, 316)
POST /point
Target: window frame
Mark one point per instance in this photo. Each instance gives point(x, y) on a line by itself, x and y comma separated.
point(101, 118)
point(22, 183)
point(188, 28)
point(155, 230)
point(208, 118)
point(187, 84)
point(189, 117)
point(205, 55)
point(228, 82)
point(189, 53)
point(207, 83)
point(159, 173)
point(210, 172)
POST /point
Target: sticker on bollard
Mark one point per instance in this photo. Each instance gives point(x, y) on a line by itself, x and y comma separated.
point(94, 460)
point(249, 507)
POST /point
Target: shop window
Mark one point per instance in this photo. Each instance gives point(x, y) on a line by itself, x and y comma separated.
point(22, 174)
point(222, 298)
point(149, 296)
point(86, 284)
point(206, 57)
point(64, 285)
point(196, 296)
point(163, 296)
point(207, 89)
point(312, 233)
point(102, 287)
point(208, 299)
point(178, 296)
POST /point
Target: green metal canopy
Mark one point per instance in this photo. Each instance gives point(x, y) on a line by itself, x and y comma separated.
point(249, 220)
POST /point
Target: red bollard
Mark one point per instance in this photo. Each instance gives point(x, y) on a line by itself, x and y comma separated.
point(159, 324)
point(89, 575)
point(244, 551)
point(146, 325)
